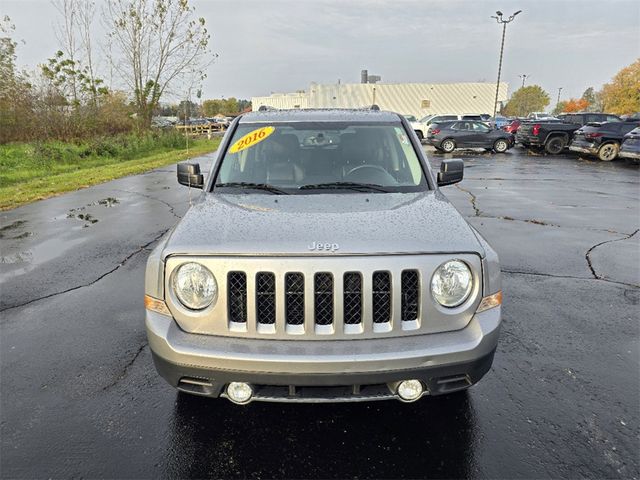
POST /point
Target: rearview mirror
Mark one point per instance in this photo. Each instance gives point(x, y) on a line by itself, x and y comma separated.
point(189, 175)
point(451, 171)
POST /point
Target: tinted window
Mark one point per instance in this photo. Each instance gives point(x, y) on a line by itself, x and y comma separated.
point(290, 156)
point(471, 117)
point(480, 127)
point(612, 118)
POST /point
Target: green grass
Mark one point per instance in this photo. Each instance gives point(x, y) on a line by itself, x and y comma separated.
point(34, 171)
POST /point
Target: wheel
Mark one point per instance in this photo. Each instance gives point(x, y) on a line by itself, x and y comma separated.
point(448, 145)
point(420, 135)
point(555, 145)
point(500, 145)
point(608, 152)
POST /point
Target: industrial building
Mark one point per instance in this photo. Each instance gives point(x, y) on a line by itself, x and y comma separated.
point(417, 99)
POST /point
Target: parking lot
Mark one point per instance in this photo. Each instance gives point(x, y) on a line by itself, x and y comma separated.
point(80, 396)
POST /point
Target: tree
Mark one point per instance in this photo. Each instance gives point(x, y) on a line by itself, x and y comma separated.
point(243, 105)
point(526, 100)
point(622, 95)
point(156, 42)
point(575, 105)
point(228, 106)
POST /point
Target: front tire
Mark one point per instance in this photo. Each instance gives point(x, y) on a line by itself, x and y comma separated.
point(608, 152)
point(500, 146)
point(420, 135)
point(448, 145)
point(555, 145)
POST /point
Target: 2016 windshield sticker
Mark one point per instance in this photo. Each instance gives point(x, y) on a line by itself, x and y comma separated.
point(251, 138)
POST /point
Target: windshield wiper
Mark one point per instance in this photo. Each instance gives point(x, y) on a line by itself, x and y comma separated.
point(255, 186)
point(347, 185)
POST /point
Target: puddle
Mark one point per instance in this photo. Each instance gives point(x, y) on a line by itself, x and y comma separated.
point(23, 262)
point(12, 226)
point(107, 202)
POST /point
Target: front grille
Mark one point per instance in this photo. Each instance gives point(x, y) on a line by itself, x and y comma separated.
point(381, 297)
point(266, 298)
point(323, 293)
point(385, 291)
point(237, 296)
point(294, 298)
point(410, 295)
point(352, 298)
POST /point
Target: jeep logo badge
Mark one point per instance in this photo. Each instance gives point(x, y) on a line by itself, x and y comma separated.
point(324, 247)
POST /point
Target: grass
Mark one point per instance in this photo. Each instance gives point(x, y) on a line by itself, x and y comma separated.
point(34, 171)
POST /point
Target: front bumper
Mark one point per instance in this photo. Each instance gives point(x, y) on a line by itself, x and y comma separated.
point(315, 371)
point(589, 149)
point(629, 154)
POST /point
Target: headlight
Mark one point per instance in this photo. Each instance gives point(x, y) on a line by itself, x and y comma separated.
point(452, 283)
point(195, 286)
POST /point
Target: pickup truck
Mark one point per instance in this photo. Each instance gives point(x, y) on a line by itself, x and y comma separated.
point(554, 135)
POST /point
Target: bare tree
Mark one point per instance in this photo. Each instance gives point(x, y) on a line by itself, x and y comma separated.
point(156, 42)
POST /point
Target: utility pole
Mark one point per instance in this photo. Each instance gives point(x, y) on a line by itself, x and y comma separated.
point(500, 20)
point(558, 101)
point(524, 76)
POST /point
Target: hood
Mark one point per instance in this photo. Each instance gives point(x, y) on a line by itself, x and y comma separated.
point(336, 224)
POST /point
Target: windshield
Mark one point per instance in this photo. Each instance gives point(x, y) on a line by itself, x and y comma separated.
point(308, 157)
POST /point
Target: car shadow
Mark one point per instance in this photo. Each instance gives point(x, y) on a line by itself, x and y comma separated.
point(433, 437)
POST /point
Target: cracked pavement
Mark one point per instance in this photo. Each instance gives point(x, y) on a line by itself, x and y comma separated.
point(80, 397)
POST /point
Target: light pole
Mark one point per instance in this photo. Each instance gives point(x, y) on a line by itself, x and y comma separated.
point(504, 22)
point(524, 76)
point(558, 100)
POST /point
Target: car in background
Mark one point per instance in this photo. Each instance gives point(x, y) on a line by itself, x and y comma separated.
point(540, 116)
point(630, 148)
point(554, 135)
point(410, 118)
point(447, 136)
point(499, 122)
point(512, 126)
point(422, 126)
point(601, 140)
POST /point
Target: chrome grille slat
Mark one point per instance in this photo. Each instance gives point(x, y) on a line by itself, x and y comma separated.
point(352, 298)
point(323, 298)
point(266, 298)
point(237, 296)
point(381, 297)
point(294, 298)
point(410, 295)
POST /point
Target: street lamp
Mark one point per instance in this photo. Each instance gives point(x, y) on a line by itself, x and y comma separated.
point(500, 20)
point(558, 101)
point(524, 76)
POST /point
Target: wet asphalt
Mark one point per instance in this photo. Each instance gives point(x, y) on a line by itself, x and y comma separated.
point(79, 396)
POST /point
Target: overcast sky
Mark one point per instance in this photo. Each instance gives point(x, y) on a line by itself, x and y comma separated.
point(284, 45)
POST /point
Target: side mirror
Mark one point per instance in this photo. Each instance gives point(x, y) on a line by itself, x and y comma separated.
point(451, 171)
point(189, 175)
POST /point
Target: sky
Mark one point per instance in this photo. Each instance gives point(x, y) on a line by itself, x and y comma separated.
point(284, 45)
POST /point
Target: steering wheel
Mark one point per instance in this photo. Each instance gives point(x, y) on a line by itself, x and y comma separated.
point(363, 167)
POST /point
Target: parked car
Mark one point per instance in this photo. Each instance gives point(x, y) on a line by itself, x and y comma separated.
point(512, 126)
point(630, 148)
point(602, 140)
point(284, 282)
point(555, 135)
point(540, 116)
point(422, 126)
point(447, 136)
point(410, 118)
point(500, 122)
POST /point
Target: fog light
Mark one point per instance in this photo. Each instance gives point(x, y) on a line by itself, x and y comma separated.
point(410, 390)
point(239, 392)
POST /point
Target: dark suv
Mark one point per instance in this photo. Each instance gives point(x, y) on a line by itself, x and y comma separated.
point(447, 136)
point(601, 140)
point(554, 135)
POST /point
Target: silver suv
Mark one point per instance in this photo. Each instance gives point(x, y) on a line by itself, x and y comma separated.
point(322, 263)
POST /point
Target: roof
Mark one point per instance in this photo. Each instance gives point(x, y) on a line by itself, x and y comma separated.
point(320, 115)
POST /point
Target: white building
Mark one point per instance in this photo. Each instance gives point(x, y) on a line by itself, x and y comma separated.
point(417, 99)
